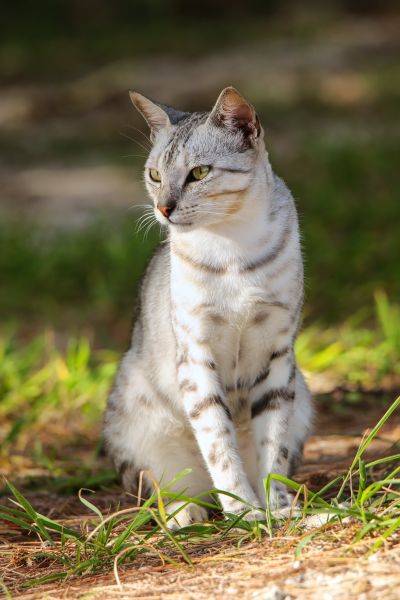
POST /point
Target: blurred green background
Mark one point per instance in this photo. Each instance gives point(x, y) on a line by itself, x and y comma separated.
point(325, 79)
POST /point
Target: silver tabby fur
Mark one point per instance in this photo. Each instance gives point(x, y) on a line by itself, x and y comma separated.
point(210, 381)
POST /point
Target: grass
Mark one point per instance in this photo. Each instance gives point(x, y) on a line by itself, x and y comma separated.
point(347, 200)
point(85, 275)
point(367, 495)
point(38, 384)
point(353, 355)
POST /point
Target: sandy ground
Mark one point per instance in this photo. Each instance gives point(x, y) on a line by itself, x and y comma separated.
point(258, 571)
point(328, 567)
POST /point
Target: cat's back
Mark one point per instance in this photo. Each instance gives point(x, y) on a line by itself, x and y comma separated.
point(283, 207)
point(153, 342)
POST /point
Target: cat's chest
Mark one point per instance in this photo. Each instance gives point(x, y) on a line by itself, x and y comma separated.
point(244, 325)
point(242, 341)
point(232, 296)
point(238, 316)
point(240, 299)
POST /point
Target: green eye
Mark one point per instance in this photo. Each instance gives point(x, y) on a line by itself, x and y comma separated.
point(200, 172)
point(155, 175)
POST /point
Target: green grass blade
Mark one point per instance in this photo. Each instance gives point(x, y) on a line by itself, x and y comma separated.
point(173, 539)
point(20, 522)
point(46, 579)
point(89, 504)
point(390, 530)
point(33, 515)
point(365, 443)
point(22, 501)
point(5, 590)
point(303, 543)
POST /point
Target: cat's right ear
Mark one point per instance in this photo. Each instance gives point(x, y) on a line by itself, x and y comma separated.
point(155, 116)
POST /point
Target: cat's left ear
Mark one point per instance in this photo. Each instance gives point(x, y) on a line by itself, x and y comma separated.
point(234, 112)
point(158, 116)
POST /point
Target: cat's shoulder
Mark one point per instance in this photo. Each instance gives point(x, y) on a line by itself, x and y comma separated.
point(159, 260)
point(281, 192)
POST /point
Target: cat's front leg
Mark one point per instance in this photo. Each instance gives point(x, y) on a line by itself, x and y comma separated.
point(272, 400)
point(210, 418)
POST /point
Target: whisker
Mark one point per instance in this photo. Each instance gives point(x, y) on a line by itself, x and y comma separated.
point(144, 216)
point(133, 156)
point(210, 212)
point(142, 133)
point(134, 141)
point(141, 207)
point(142, 223)
point(150, 225)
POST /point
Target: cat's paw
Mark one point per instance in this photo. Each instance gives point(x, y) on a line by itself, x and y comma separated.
point(249, 513)
point(255, 515)
point(191, 513)
point(280, 502)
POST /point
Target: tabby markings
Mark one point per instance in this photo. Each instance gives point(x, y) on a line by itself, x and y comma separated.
point(213, 401)
point(271, 255)
point(271, 401)
point(217, 270)
point(279, 353)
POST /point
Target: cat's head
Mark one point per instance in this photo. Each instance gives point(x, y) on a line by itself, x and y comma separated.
point(201, 165)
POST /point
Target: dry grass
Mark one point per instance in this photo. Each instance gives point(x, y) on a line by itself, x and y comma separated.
point(316, 560)
point(330, 567)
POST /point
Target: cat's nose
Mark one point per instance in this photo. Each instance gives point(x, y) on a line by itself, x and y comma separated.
point(167, 208)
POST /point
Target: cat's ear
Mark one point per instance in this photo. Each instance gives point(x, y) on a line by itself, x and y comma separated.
point(158, 116)
point(155, 116)
point(234, 112)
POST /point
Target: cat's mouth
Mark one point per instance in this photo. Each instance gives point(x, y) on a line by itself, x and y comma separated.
point(180, 223)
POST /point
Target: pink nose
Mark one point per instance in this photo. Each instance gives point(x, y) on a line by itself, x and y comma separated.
point(165, 210)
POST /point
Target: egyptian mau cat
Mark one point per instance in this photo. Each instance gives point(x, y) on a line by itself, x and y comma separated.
point(210, 381)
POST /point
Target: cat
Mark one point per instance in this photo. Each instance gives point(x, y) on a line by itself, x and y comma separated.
point(210, 381)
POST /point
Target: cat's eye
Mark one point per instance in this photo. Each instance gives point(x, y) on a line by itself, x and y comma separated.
point(199, 172)
point(155, 175)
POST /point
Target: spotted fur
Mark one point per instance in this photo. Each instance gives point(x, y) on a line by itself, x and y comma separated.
point(210, 381)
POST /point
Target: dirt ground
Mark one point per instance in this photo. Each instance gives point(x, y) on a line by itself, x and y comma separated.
point(328, 567)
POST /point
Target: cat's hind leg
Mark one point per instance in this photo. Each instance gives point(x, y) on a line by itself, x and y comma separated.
point(173, 452)
point(143, 435)
point(301, 423)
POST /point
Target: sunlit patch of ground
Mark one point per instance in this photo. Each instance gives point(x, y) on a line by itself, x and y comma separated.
point(267, 570)
point(319, 561)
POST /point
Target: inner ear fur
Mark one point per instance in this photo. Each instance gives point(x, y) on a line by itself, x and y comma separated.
point(234, 112)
